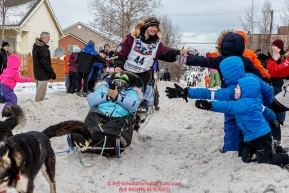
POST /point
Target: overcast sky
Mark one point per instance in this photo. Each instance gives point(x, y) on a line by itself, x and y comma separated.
point(200, 20)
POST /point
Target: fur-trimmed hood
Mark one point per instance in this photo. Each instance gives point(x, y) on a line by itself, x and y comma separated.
point(39, 42)
point(139, 29)
point(230, 43)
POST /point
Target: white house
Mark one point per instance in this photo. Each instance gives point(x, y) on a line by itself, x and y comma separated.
point(22, 29)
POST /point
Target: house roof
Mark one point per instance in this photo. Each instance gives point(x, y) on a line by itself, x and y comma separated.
point(74, 37)
point(25, 10)
point(112, 38)
point(13, 3)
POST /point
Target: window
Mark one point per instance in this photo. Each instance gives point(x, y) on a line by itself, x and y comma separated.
point(73, 48)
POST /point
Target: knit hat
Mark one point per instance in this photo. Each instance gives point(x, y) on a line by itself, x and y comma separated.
point(151, 21)
point(5, 44)
point(279, 43)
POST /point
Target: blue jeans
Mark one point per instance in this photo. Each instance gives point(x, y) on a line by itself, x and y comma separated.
point(66, 79)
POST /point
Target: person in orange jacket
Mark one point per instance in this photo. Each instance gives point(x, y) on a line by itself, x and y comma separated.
point(252, 56)
point(66, 69)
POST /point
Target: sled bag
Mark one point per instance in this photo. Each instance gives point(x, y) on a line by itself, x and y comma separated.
point(113, 128)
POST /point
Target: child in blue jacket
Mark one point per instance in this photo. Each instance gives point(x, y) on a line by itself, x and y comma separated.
point(247, 110)
point(232, 69)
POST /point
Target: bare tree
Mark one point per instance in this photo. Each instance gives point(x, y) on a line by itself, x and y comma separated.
point(172, 36)
point(11, 10)
point(265, 19)
point(117, 17)
point(285, 16)
point(249, 21)
point(266, 26)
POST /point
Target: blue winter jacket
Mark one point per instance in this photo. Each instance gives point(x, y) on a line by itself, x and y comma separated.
point(233, 69)
point(247, 109)
point(127, 101)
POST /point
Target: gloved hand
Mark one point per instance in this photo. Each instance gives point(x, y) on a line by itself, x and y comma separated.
point(177, 92)
point(263, 57)
point(112, 93)
point(203, 104)
point(274, 124)
point(53, 76)
point(269, 55)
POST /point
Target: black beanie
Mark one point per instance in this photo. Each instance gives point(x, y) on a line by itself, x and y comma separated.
point(5, 44)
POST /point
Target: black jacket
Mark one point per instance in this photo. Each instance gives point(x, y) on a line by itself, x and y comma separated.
point(85, 62)
point(42, 61)
point(3, 59)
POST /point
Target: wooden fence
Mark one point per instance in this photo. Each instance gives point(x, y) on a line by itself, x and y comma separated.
point(26, 69)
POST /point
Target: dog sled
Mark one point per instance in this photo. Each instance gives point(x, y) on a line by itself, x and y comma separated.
point(110, 135)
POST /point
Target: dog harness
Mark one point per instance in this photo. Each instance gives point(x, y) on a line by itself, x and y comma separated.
point(14, 182)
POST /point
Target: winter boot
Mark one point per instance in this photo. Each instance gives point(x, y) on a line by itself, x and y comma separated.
point(78, 94)
point(67, 86)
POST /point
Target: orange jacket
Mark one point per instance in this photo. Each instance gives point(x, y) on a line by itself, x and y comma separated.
point(251, 55)
point(66, 64)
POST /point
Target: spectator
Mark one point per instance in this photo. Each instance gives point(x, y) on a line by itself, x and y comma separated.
point(9, 79)
point(73, 59)
point(66, 70)
point(106, 49)
point(86, 59)
point(167, 76)
point(248, 110)
point(43, 70)
point(4, 53)
point(277, 84)
point(95, 74)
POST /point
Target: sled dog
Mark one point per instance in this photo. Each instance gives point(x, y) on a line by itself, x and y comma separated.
point(23, 155)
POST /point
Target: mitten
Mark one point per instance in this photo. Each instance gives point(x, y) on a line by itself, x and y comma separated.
point(203, 104)
point(30, 79)
point(177, 92)
point(263, 57)
point(269, 55)
point(112, 93)
point(274, 124)
point(53, 76)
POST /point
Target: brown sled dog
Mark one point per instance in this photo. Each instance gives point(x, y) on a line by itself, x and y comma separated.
point(23, 155)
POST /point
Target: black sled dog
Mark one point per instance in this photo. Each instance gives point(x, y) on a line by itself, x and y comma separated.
point(23, 155)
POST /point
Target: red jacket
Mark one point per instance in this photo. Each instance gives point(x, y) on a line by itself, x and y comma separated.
point(66, 64)
point(278, 70)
